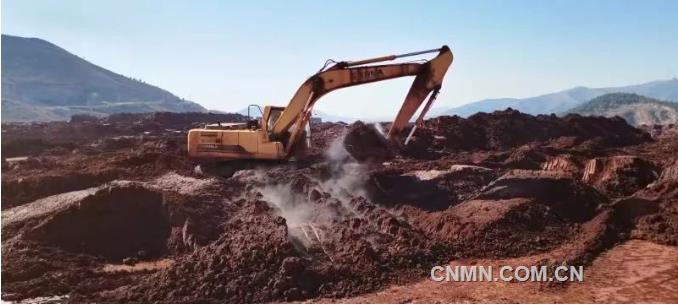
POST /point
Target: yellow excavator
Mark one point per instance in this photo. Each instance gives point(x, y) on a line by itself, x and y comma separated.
point(281, 131)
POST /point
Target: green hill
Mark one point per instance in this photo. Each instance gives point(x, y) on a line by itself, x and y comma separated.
point(43, 82)
point(635, 109)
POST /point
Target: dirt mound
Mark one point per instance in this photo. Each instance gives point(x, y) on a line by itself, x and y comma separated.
point(520, 213)
point(40, 138)
point(525, 157)
point(608, 132)
point(172, 119)
point(421, 144)
point(652, 213)
point(565, 163)
point(620, 175)
point(670, 172)
point(509, 128)
point(366, 143)
point(28, 146)
point(324, 134)
point(244, 266)
point(23, 190)
point(498, 228)
point(564, 195)
point(48, 175)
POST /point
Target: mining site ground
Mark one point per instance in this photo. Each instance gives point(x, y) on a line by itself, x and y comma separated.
point(113, 210)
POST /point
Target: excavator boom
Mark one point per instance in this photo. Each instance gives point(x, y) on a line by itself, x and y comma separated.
point(428, 77)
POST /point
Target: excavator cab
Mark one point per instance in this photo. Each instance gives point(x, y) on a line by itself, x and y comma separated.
point(271, 116)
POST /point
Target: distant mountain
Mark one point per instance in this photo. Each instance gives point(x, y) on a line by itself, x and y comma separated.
point(43, 82)
point(564, 100)
point(635, 109)
point(326, 117)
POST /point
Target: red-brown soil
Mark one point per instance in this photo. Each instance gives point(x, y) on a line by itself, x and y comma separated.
point(365, 142)
point(112, 210)
point(634, 271)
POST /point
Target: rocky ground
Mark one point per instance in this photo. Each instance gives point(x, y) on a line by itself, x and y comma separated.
point(112, 210)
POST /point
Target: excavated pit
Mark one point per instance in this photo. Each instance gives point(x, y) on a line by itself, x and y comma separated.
point(114, 222)
point(391, 190)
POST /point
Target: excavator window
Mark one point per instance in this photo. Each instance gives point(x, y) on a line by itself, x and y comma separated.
point(249, 108)
point(272, 117)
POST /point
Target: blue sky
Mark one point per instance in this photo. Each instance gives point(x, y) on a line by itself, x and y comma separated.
point(227, 54)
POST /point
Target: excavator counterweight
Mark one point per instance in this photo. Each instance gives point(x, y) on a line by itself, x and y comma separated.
point(280, 130)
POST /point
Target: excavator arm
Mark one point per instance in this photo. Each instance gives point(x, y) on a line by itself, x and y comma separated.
point(428, 78)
